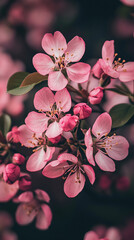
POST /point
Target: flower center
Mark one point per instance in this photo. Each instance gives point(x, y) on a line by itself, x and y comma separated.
point(118, 63)
point(106, 143)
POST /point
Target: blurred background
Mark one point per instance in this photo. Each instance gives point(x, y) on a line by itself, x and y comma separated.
point(23, 23)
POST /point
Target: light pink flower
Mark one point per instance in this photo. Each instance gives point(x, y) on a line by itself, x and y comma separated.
point(7, 191)
point(114, 68)
point(44, 101)
point(128, 2)
point(42, 153)
point(75, 180)
point(34, 207)
point(115, 147)
point(63, 54)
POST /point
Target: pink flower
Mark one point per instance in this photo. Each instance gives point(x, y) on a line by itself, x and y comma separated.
point(7, 191)
point(63, 54)
point(42, 153)
point(44, 101)
point(18, 159)
point(68, 122)
point(11, 173)
point(25, 183)
point(96, 95)
point(115, 147)
point(34, 207)
point(6, 222)
point(13, 135)
point(75, 181)
point(82, 110)
point(128, 2)
point(110, 234)
point(115, 68)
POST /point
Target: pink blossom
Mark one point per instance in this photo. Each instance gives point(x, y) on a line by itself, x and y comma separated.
point(68, 122)
point(111, 233)
point(63, 54)
point(115, 68)
point(82, 110)
point(11, 173)
point(44, 101)
point(96, 95)
point(5, 223)
point(25, 182)
point(34, 207)
point(7, 191)
point(75, 180)
point(13, 135)
point(41, 153)
point(115, 147)
point(128, 2)
point(18, 159)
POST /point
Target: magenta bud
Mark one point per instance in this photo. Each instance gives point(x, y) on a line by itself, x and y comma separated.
point(18, 159)
point(68, 122)
point(55, 140)
point(96, 95)
point(97, 70)
point(25, 183)
point(11, 173)
point(82, 110)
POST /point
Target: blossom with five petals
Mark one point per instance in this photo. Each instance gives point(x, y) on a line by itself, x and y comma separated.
point(53, 105)
point(115, 147)
point(34, 207)
point(58, 67)
point(69, 164)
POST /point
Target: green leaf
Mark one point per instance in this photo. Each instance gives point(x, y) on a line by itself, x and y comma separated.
point(121, 114)
point(13, 86)
point(33, 78)
point(5, 124)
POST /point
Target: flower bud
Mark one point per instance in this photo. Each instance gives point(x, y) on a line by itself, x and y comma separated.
point(82, 110)
point(18, 159)
point(12, 136)
point(97, 70)
point(68, 122)
point(25, 183)
point(11, 173)
point(96, 95)
point(55, 140)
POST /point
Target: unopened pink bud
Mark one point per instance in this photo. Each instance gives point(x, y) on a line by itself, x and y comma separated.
point(96, 95)
point(55, 140)
point(25, 183)
point(11, 173)
point(18, 159)
point(68, 122)
point(82, 110)
point(97, 70)
point(12, 136)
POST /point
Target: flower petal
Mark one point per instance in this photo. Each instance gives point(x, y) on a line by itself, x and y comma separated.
point(53, 130)
point(37, 122)
point(73, 186)
point(117, 147)
point(63, 100)
point(79, 72)
point(89, 155)
point(44, 217)
point(24, 197)
point(54, 45)
point(26, 136)
point(42, 195)
point(127, 72)
point(43, 63)
point(88, 138)
point(36, 161)
point(44, 99)
point(67, 157)
point(22, 216)
point(75, 49)
point(108, 69)
point(7, 191)
point(90, 173)
point(104, 162)
point(55, 169)
point(57, 81)
point(108, 51)
point(91, 236)
point(102, 125)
